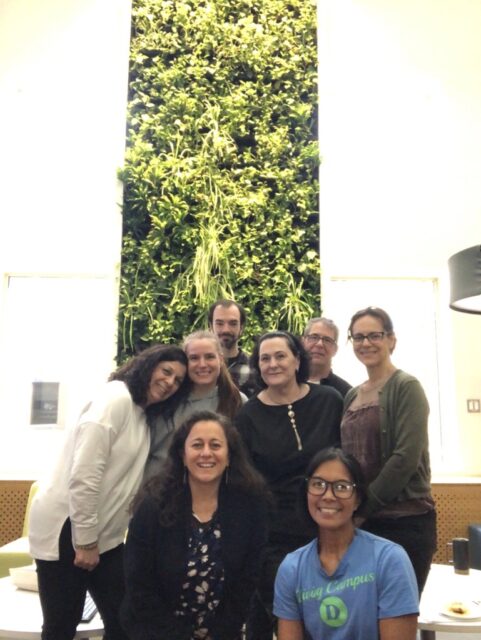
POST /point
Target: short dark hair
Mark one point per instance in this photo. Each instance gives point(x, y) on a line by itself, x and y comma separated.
point(167, 486)
point(374, 312)
point(295, 345)
point(226, 303)
point(326, 455)
point(137, 372)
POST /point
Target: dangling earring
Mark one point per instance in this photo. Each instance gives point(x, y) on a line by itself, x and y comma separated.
point(184, 480)
point(226, 475)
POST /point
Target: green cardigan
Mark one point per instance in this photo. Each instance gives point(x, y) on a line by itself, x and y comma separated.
point(405, 472)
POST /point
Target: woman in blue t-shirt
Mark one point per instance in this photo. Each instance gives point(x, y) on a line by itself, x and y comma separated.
point(346, 583)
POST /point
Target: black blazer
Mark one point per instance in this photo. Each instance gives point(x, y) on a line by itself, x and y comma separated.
point(155, 567)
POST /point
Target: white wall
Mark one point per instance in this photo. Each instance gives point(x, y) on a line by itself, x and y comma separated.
point(63, 93)
point(400, 133)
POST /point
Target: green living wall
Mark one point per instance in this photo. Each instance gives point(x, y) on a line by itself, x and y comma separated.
point(220, 178)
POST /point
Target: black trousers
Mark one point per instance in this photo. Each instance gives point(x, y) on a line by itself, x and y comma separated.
point(62, 588)
point(417, 534)
point(261, 621)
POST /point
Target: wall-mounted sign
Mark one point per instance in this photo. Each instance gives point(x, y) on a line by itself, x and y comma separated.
point(44, 403)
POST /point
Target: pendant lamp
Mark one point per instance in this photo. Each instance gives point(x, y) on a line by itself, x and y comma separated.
point(465, 277)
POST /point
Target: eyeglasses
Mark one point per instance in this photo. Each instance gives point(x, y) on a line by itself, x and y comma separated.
point(315, 337)
point(373, 337)
point(340, 488)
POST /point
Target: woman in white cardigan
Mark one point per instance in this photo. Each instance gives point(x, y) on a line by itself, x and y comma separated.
point(79, 518)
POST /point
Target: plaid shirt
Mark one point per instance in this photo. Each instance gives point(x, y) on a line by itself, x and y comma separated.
point(243, 376)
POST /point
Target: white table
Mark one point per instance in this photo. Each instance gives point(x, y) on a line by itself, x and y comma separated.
point(21, 615)
point(443, 586)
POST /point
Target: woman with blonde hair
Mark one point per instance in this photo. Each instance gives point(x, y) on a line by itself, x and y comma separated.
point(210, 379)
point(211, 389)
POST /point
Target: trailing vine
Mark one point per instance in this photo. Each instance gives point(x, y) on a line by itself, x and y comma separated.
point(220, 176)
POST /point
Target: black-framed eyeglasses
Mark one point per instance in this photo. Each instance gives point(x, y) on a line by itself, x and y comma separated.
point(315, 337)
point(342, 489)
point(373, 337)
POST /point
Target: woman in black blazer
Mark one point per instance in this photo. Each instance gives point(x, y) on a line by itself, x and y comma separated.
point(196, 537)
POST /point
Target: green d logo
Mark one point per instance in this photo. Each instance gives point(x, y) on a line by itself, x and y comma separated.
point(333, 611)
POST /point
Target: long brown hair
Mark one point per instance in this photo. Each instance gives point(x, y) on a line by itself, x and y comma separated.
point(229, 397)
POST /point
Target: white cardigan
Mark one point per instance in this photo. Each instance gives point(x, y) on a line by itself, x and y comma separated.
point(96, 477)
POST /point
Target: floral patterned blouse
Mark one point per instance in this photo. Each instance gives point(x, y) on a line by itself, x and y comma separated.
point(202, 589)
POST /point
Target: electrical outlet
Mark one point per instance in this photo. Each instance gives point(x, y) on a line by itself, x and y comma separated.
point(474, 405)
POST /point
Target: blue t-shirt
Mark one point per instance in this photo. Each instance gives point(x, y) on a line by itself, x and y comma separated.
point(374, 580)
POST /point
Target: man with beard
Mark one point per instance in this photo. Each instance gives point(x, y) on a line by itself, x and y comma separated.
point(227, 320)
point(320, 341)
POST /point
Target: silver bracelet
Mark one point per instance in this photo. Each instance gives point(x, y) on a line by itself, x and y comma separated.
point(87, 547)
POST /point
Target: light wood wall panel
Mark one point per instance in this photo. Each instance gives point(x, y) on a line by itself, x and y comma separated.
point(458, 505)
point(13, 501)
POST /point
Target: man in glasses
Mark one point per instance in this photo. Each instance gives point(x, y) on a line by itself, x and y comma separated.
point(320, 341)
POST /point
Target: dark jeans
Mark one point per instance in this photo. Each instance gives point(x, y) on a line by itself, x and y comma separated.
point(261, 621)
point(417, 534)
point(62, 588)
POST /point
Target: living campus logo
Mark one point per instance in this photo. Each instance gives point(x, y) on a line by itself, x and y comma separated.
point(332, 609)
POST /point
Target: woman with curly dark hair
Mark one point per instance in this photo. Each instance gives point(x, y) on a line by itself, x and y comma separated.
point(195, 540)
point(79, 518)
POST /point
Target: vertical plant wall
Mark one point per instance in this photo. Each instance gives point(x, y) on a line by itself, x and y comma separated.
point(220, 178)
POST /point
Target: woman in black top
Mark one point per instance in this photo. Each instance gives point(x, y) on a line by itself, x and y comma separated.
point(195, 540)
point(283, 427)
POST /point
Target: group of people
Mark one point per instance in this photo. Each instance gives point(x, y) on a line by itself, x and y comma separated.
point(258, 492)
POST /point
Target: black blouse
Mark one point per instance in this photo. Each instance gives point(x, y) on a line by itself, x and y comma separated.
point(270, 439)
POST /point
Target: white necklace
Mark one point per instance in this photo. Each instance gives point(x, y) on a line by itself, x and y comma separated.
point(292, 418)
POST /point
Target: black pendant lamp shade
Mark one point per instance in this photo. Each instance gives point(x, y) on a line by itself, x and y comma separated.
point(465, 276)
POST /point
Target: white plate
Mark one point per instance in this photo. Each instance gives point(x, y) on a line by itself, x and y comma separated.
point(473, 610)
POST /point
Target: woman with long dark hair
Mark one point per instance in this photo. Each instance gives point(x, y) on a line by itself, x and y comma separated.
point(346, 584)
point(195, 540)
point(79, 518)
